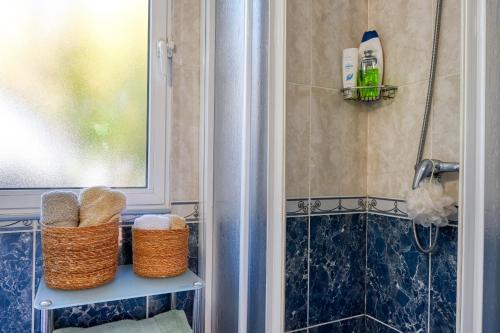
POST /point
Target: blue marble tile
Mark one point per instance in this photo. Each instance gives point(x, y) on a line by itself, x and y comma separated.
point(353, 325)
point(337, 267)
point(159, 304)
point(125, 246)
point(296, 274)
point(100, 313)
point(444, 281)
point(16, 267)
point(397, 274)
point(38, 275)
point(193, 247)
point(373, 326)
point(184, 301)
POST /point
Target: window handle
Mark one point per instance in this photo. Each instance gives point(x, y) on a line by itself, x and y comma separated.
point(165, 51)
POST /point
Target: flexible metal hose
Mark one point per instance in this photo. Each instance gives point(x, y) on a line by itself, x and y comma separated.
point(430, 88)
point(427, 113)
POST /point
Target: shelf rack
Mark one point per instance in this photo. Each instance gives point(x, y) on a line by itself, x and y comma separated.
point(356, 93)
point(126, 285)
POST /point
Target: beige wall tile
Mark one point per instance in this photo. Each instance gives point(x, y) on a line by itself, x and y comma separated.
point(336, 25)
point(449, 41)
point(405, 29)
point(298, 41)
point(446, 119)
point(379, 160)
point(446, 127)
point(297, 141)
point(394, 132)
point(187, 32)
point(184, 134)
point(389, 185)
point(338, 145)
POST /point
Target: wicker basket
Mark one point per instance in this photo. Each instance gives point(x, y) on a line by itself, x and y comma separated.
point(80, 258)
point(160, 253)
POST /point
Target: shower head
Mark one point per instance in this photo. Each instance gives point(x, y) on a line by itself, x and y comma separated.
point(426, 167)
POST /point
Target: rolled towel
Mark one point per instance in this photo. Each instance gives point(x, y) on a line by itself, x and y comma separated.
point(59, 209)
point(99, 204)
point(153, 222)
point(178, 222)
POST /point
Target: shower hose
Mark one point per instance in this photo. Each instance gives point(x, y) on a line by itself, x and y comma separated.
point(425, 122)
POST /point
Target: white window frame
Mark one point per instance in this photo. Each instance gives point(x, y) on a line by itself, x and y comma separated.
point(155, 196)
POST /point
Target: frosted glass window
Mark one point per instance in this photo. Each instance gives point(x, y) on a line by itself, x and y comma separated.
point(73, 93)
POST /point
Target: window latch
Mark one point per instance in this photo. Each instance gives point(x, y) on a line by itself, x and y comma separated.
point(165, 51)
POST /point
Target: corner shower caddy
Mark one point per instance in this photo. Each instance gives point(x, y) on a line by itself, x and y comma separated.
point(385, 92)
point(126, 285)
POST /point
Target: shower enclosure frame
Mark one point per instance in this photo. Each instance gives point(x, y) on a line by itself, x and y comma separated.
point(479, 253)
point(275, 165)
point(472, 179)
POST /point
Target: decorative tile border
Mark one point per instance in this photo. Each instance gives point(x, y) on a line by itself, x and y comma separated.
point(345, 205)
point(337, 205)
point(297, 207)
point(325, 205)
point(188, 209)
point(355, 204)
point(13, 225)
point(395, 208)
point(387, 206)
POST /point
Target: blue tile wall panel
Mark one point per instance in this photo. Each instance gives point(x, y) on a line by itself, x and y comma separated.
point(352, 325)
point(296, 273)
point(100, 313)
point(444, 282)
point(16, 267)
point(373, 326)
point(397, 274)
point(337, 267)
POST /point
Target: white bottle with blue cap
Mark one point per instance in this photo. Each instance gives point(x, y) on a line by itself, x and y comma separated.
point(350, 64)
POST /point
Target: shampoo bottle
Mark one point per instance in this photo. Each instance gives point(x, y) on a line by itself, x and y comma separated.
point(371, 55)
point(369, 77)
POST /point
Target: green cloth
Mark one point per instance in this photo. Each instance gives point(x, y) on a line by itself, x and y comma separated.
point(174, 321)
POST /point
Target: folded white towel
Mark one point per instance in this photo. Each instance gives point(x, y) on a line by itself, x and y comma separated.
point(153, 222)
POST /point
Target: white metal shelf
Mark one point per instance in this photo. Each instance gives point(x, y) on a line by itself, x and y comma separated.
point(126, 285)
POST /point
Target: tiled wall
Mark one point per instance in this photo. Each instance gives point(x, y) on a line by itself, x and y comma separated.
point(406, 30)
point(361, 272)
point(21, 270)
point(340, 148)
point(348, 158)
point(185, 119)
point(326, 137)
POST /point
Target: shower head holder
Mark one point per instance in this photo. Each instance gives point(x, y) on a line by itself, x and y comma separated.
point(428, 167)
